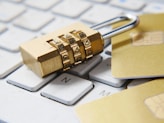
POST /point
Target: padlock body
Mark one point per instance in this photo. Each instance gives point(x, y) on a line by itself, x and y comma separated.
point(44, 57)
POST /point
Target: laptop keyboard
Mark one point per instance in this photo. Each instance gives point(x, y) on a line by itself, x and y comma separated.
point(26, 97)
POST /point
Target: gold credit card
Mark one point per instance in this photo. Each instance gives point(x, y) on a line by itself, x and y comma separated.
point(140, 104)
point(139, 53)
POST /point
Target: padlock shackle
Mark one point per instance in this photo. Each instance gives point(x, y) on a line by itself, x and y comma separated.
point(134, 21)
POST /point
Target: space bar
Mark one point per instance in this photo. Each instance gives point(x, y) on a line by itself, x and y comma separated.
point(23, 107)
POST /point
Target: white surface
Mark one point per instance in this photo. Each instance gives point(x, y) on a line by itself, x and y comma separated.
point(33, 20)
point(94, 15)
point(19, 106)
point(102, 73)
point(9, 11)
point(154, 8)
point(57, 24)
point(67, 89)
point(25, 78)
point(128, 4)
point(45, 4)
point(100, 90)
point(71, 8)
point(13, 37)
point(2, 28)
point(5, 62)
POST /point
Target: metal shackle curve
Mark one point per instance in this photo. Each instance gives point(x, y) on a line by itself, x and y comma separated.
point(134, 20)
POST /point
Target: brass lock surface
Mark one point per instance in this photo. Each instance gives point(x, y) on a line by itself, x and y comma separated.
point(69, 46)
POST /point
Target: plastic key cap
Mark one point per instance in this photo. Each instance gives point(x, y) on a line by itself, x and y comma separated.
point(56, 24)
point(7, 66)
point(44, 5)
point(25, 78)
point(94, 15)
point(20, 106)
point(128, 4)
point(9, 11)
point(2, 28)
point(102, 73)
point(67, 89)
point(13, 37)
point(33, 20)
point(100, 90)
point(154, 8)
point(71, 9)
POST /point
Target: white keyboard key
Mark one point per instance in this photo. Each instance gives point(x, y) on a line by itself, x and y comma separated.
point(102, 73)
point(154, 8)
point(67, 89)
point(33, 20)
point(57, 24)
point(44, 4)
point(9, 62)
point(19, 106)
point(2, 28)
point(13, 37)
point(129, 4)
point(72, 8)
point(8, 11)
point(136, 82)
point(94, 15)
point(100, 90)
point(84, 68)
point(25, 78)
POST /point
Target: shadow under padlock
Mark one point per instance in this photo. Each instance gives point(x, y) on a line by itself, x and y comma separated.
point(69, 46)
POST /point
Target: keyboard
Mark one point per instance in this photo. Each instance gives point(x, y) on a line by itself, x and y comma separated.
point(24, 96)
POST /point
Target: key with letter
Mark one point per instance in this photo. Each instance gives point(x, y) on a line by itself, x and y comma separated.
point(67, 89)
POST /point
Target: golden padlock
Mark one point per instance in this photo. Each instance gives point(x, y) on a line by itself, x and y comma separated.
point(69, 46)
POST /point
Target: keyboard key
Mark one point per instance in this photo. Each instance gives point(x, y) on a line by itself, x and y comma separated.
point(9, 11)
point(154, 8)
point(84, 68)
point(94, 15)
point(128, 4)
point(25, 78)
point(13, 37)
point(100, 90)
point(102, 73)
point(33, 20)
point(2, 28)
point(57, 24)
point(19, 106)
point(71, 9)
point(67, 89)
point(44, 4)
point(136, 82)
point(9, 62)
